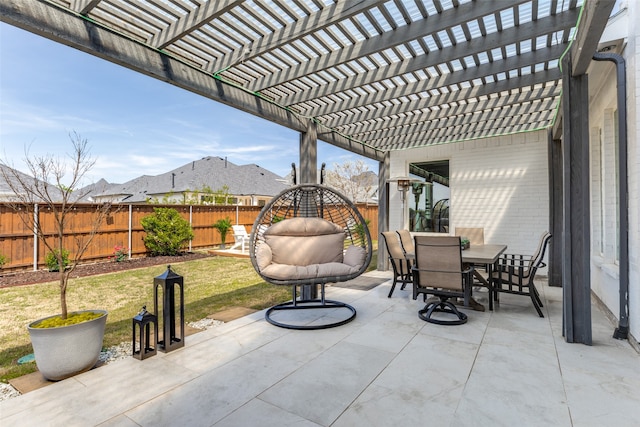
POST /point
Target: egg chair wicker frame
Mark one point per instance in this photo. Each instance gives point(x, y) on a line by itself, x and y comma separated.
point(312, 201)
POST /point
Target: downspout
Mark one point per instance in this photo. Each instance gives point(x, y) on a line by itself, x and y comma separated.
point(622, 331)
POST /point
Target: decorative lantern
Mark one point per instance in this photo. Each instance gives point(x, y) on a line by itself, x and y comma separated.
point(142, 322)
point(171, 287)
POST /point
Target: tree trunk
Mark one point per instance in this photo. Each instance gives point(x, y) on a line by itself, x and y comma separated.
point(64, 278)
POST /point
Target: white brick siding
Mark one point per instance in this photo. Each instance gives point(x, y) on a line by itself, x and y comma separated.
point(500, 184)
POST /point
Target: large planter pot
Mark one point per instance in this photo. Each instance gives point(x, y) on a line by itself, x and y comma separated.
point(67, 350)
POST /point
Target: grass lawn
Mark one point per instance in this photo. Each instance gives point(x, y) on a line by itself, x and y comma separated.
point(210, 285)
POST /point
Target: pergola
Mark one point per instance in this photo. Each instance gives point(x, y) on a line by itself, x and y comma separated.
point(373, 77)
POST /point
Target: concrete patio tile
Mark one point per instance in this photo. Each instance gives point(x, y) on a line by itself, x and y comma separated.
point(222, 349)
point(389, 331)
point(431, 364)
point(256, 412)
point(380, 406)
point(323, 388)
point(509, 388)
point(215, 394)
point(524, 332)
point(101, 394)
point(19, 411)
point(472, 332)
point(304, 346)
point(597, 399)
point(119, 421)
point(422, 385)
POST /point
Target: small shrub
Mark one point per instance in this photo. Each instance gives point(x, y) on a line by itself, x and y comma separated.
point(3, 260)
point(51, 260)
point(223, 226)
point(167, 232)
point(120, 253)
point(359, 230)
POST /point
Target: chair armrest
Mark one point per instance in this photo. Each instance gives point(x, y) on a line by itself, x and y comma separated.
point(467, 270)
point(516, 260)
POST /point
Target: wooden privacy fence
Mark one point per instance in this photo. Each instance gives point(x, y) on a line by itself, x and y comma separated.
point(122, 228)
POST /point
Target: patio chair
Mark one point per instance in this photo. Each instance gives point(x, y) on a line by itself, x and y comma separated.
point(475, 235)
point(438, 271)
point(240, 237)
point(305, 237)
point(399, 262)
point(515, 273)
point(406, 241)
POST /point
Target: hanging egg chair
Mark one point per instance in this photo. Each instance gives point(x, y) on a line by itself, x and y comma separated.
point(305, 237)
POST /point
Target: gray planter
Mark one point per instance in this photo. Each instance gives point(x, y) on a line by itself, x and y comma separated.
point(68, 350)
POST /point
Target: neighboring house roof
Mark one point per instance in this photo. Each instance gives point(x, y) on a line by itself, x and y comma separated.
point(13, 176)
point(92, 190)
point(210, 171)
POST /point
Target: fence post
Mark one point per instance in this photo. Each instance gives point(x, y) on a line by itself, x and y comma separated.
point(130, 231)
point(35, 236)
point(191, 224)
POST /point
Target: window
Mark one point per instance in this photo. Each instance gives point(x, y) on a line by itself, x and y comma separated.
point(428, 196)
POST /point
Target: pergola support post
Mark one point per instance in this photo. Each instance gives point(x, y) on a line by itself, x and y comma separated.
point(309, 154)
point(383, 209)
point(309, 175)
point(554, 273)
point(576, 274)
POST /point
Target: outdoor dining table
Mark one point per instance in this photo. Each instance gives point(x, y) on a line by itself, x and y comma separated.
point(486, 255)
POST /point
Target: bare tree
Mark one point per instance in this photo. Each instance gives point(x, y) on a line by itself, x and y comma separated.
point(353, 179)
point(47, 188)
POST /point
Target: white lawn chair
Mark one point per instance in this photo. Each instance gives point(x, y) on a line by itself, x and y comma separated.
point(240, 237)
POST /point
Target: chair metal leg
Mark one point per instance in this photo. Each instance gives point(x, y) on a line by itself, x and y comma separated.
point(535, 299)
point(393, 286)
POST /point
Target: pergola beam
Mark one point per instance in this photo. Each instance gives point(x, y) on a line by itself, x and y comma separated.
point(345, 121)
point(192, 21)
point(518, 112)
point(63, 26)
point(326, 17)
point(595, 15)
point(448, 80)
point(475, 46)
point(458, 108)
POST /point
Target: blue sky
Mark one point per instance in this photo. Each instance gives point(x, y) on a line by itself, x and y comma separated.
point(135, 125)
